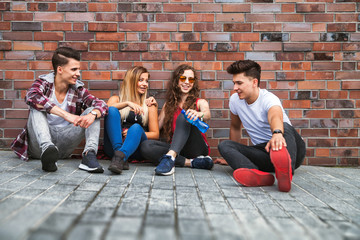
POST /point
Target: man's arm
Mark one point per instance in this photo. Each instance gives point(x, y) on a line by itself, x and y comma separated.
point(36, 98)
point(275, 119)
point(235, 128)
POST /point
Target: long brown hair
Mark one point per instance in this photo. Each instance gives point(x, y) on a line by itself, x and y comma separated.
point(128, 92)
point(173, 97)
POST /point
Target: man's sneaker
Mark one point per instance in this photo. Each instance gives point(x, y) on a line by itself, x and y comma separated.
point(202, 162)
point(166, 166)
point(117, 162)
point(90, 163)
point(253, 177)
point(49, 158)
point(282, 164)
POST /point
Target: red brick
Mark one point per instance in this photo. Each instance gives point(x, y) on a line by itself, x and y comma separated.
point(333, 95)
point(207, 8)
point(341, 7)
point(163, 47)
point(138, 47)
point(210, 94)
point(15, 65)
point(230, 17)
point(209, 85)
point(305, 37)
point(269, 27)
point(79, 17)
point(319, 27)
point(207, 27)
point(238, 7)
point(204, 17)
point(22, 84)
point(268, 46)
point(16, 75)
point(146, 7)
point(289, 17)
point(170, 17)
point(78, 26)
point(215, 37)
point(322, 152)
point(95, 56)
point(343, 132)
point(200, 56)
point(95, 75)
point(347, 75)
point(50, 46)
point(56, 26)
point(155, 56)
point(259, 18)
point(40, 65)
point(355, 94)
point(246, 47)
point(104, 46)
point(237, 27)
point(341, 27)
point(5, 46)
point(163, 27)
point(223, 47)
point(79, 46)
point(317, 113)
point(156, 37)
point(331, 85)
point(208, 65)
point(22, 36)
point(351, 46)
point(5, 6)
point(132, 37)
point(327, 47)
point(79, 36)
point(102, 27)
point(16, 114)
point(350, 85)
point(110, 36)
point(151, 66)
point(321, 142)
point(229, 56)
point(296, 65)
point(245, 37)
point(314, 132)
point(346, 17)
point(173, 7)
point(310, 7)
point(288, 7)
point(326, 66)
point(9, 16)
point(344, 152)
point(19, 55)
point(48, 36)
point(44, 16)
point(348, 142)
point(185, 27)
point(102, 7)
point(312, 85)
point(297, 27)
point(103, 65)
point(319, 17)
point(194, 46)
point(4, 25)
point(12, 123)
point(187, 37)
point(44, 7)
point(319, 75)
point(109, 17)
point(126, 56)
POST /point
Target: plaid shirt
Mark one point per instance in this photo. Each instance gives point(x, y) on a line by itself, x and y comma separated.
point(78, 98)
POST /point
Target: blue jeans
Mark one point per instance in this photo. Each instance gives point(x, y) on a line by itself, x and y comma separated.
point(113, 137)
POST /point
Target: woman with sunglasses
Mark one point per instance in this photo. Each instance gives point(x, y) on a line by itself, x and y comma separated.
point(186, 145)
point(129, 119)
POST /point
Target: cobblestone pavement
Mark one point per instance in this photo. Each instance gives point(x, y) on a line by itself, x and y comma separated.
point(324, 203)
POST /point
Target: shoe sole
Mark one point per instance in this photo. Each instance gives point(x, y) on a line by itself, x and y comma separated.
point(49, 158)
point(282, 164)
point(114, 170)
point(167, 173)
point(250, 178)
point(91, 170)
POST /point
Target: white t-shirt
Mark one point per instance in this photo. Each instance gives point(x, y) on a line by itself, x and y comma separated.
point(254, 117)
point(53, 119)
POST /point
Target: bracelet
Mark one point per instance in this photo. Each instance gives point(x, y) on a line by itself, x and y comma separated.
point(202, 117)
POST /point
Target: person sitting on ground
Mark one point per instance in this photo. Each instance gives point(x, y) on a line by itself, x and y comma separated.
point(56, 123)
point(276, 144)
point(188, 145)
point(129, 118)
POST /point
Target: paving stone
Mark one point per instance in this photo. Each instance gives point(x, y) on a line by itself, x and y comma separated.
point(86, 231)
point(158, 233)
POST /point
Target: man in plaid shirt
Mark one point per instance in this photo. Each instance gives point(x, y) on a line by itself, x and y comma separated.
point(62, 114)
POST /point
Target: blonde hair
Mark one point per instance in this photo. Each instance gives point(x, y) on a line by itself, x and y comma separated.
point(128, 92)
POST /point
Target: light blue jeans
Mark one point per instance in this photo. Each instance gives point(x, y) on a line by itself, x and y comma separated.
point(113, 137)
point(66, 139)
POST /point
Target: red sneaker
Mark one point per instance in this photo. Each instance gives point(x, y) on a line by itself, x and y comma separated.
point(253, 177)
point(282, 164)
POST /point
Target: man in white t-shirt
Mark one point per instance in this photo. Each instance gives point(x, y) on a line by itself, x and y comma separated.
point(277, 146)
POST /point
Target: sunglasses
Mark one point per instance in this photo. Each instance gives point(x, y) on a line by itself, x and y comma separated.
point(183, 79)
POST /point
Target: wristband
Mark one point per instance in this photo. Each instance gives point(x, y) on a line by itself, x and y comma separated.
point(202, 117)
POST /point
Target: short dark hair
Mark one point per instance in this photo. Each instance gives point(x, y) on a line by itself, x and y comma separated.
point(249, 67)
point(61, 56)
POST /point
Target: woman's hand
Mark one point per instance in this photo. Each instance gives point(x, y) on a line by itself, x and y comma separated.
point(135, 107)
point(193, 114)
point(151, 101)
point(124, 133)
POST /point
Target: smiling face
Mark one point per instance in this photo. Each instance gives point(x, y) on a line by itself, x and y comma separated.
point(69, 72)
point(143, 83)
point(186, 86)
point(246, 87)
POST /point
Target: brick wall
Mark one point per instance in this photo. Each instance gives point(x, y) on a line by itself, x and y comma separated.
point(309, 52)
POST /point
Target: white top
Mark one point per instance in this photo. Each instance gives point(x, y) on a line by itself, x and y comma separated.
point(254, 117)
point(53, 119)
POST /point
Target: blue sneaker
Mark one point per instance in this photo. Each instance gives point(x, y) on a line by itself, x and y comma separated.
point(90, 163)
point(166, 166)
point(202, 162)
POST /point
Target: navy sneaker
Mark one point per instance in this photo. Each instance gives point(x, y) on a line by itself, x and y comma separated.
point(166, 166)
point(49, 158)
point(90, 163)
point(202, 162)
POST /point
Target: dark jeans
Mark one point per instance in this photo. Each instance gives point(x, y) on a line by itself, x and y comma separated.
point(255, 157)
point(187, 142)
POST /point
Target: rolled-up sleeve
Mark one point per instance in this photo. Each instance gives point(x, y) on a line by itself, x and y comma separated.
point(90, 100)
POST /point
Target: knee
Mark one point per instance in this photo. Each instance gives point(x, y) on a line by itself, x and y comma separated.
point(288, 128)
point(113, 110)
point(136, 128)
point(145, 147)
point(224, 145)
point(181, 120)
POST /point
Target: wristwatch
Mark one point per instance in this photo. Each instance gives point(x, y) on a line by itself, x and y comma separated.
point(94, 113)
point(277, 131)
